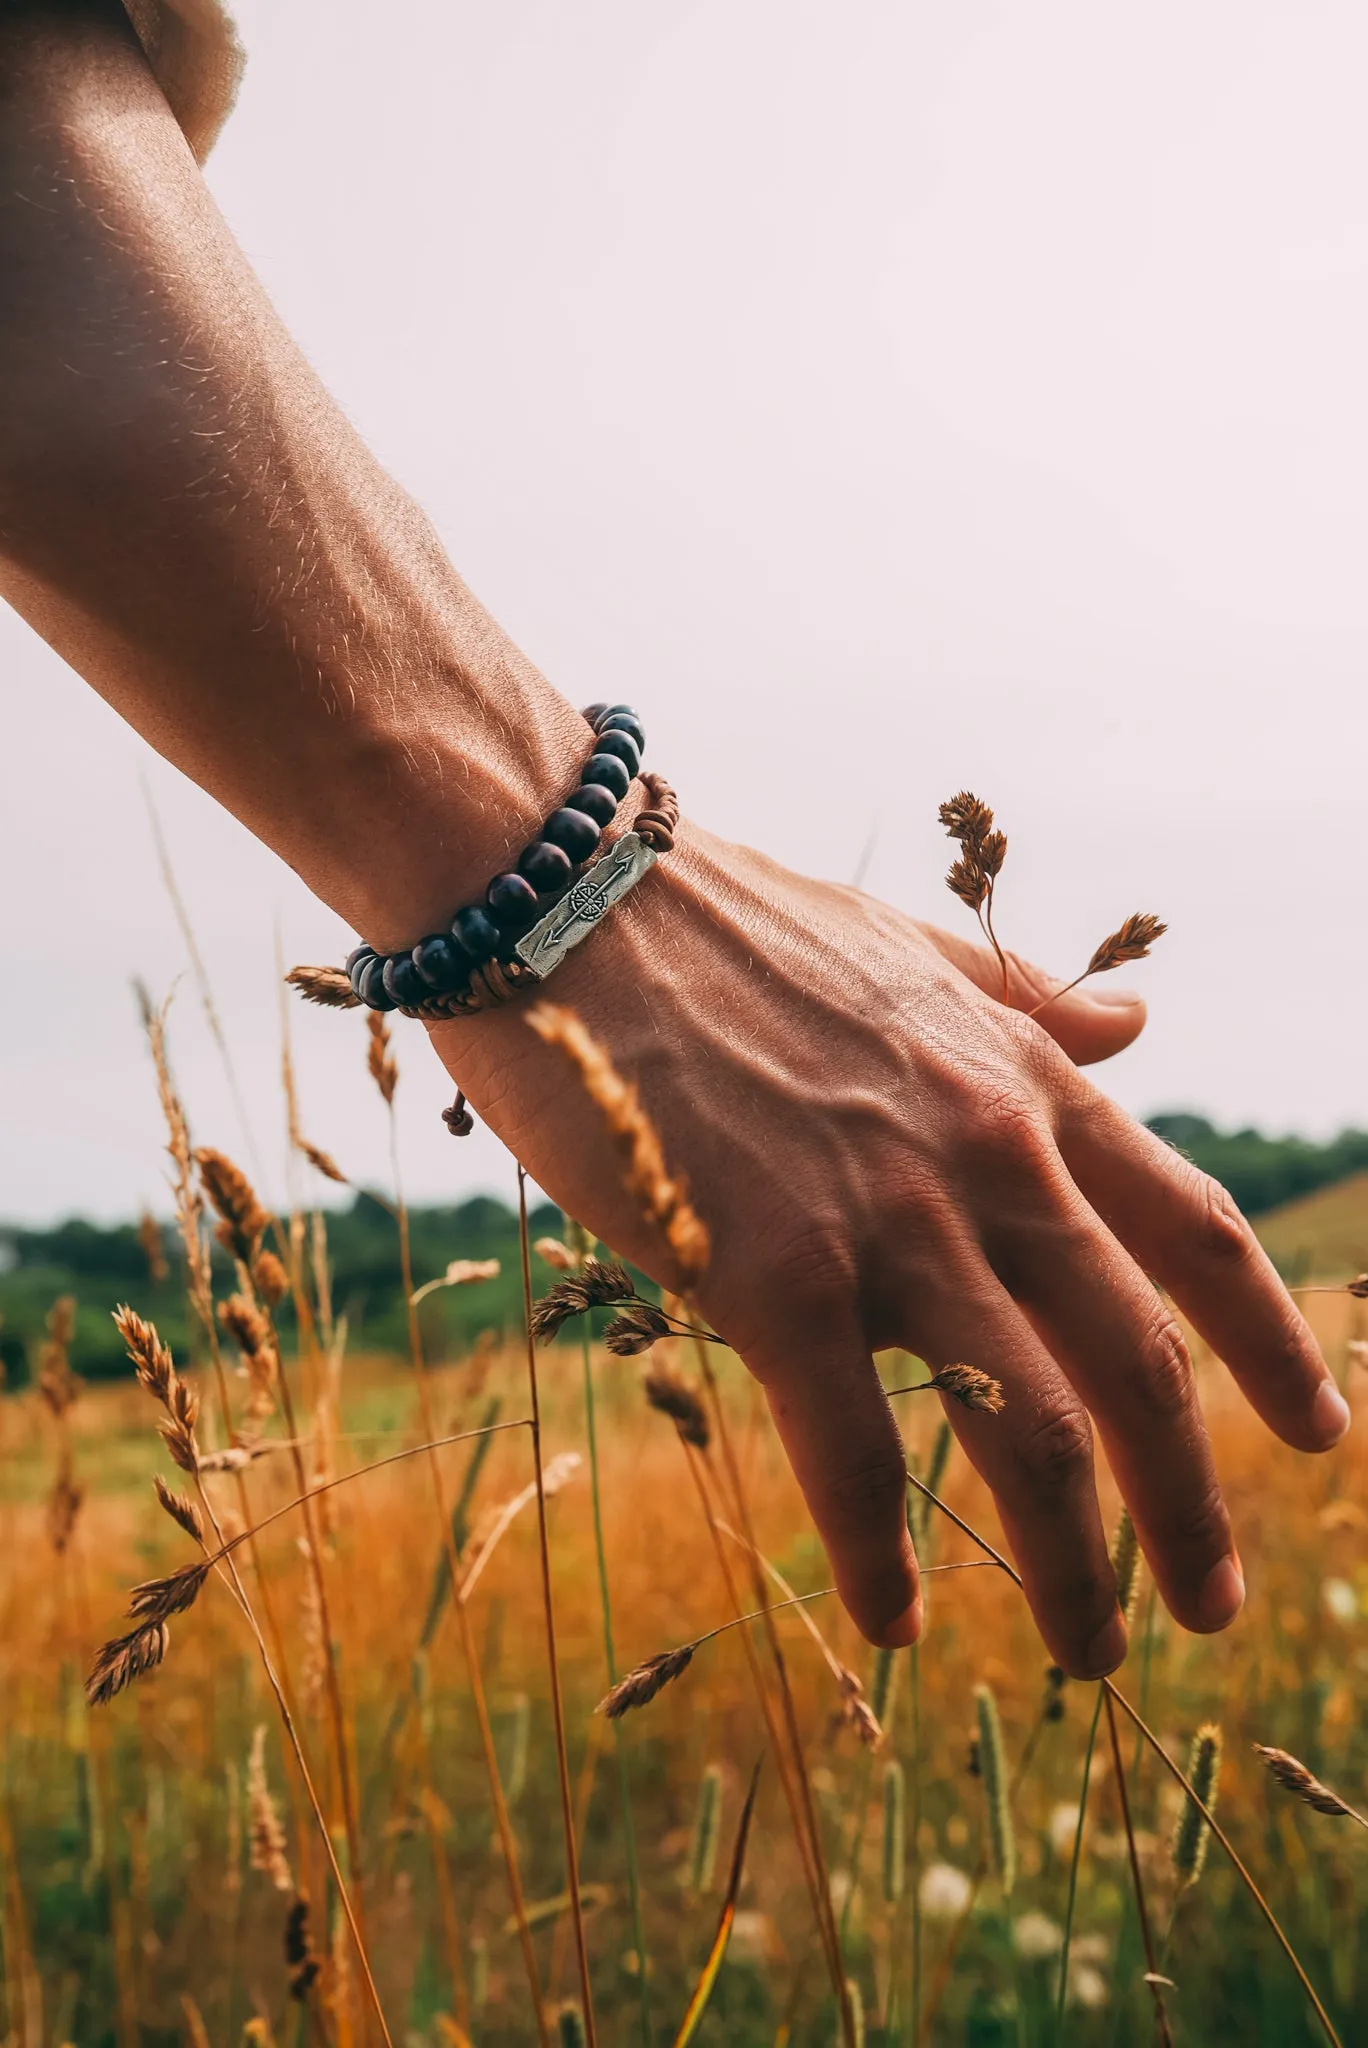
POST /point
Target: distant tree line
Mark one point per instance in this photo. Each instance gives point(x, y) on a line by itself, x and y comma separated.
point(102, 1265)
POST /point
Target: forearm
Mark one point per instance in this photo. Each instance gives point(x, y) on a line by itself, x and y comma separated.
point(189, 520)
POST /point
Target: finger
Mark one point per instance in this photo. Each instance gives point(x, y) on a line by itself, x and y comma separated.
point(1124, 1353)
point(841, 1439)
point(1184, 1228)
point(1036, 1455)
point(1089, 1023)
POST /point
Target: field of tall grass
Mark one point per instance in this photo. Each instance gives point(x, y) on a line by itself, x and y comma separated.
point(338, 1807)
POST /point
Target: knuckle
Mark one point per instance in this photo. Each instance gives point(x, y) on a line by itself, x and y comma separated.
point(1203, 1525)
point(1222, 1233)
point(1008, 1124)
point(1166, 1378)
point(1056, 1452)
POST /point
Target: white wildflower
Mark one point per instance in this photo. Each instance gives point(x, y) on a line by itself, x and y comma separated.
point(1035, 1936)
point(945, 1891)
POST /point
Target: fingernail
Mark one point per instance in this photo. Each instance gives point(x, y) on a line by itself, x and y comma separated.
point(1329, 1413)
point(1106, 1649)
point(902, 1633)
point(1222, 1595)
point(1115, 998)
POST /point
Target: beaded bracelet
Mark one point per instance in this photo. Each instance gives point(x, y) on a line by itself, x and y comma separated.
point(531, 915)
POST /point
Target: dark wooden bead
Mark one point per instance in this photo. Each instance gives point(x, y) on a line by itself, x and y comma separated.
point(592, 713)
point(476, 932)
point(610, 772)
point(546, 867)
point(623, 746)
point(595, 801)
point(572, 831)
point(440, 962)
point(511, 901)
point(624, 721)
point(357, 962)
point(372, 991)
point(611, 711)
point(403, 983)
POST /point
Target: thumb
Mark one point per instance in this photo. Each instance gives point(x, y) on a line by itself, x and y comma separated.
point(1089, 1023)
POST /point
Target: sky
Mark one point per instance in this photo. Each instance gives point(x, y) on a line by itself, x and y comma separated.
point(884, 398)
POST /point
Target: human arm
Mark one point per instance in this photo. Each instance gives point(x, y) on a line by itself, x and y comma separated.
point(883, 1154)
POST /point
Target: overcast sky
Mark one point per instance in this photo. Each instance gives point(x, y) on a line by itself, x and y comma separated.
point(978, 390)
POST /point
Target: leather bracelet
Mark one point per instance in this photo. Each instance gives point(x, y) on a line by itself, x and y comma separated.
point(531, 915)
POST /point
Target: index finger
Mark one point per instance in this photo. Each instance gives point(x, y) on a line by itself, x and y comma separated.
point(1186, 1231)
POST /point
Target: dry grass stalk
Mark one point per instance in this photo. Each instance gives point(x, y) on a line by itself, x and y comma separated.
point(58, 1385)
point(971, 1387)
point(267, 1837)
point(1294, 1777)
point(119, 1662)
point(313, 1636)
point(301, 1959)
point(557, 1474)
point(856, 1710)
point(572, 1875)
point(973, 876)
point(255, 1339)
point(180, 1507)
point(381, 1064)
point(664, 1198)
point(242, 1220)
point(64, 1504)
point(670, 1393)
point(556, 1255)
point(599, 1283)
point(639, 1326)
point(327, 986)
point(158, 1599)
point(157, 1374)
point(644, 1681)
point(1131, 942)
point(269, 1278)
point(189, 1205)
point(460, 1273)
point(153, 1250)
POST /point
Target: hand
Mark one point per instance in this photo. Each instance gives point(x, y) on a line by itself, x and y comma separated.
point(886, 1156)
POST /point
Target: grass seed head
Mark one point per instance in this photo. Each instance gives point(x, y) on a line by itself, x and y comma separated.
point(380, 1061)
point(556, 1255)
point(1131, 942)
point(119, 1662)
point(641, 1685)
point(242, 1220)
point(269, 1278)
point(300, 1958)
point(328, 986)
point(599, 1283)
point(1192, 1833)
point(180, 1508)
point(664, 1198)
point(1125, 1564)
point(856, 1711)
point(638, 1327)
point(1296, 1779)
point(992, 1754)
point(970, 1387)
point(158, 1599)
point(667, 1391)
point(268, 1836)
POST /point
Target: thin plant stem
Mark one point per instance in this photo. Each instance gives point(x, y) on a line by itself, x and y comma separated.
point(1055, 994)
point(292, 1733)
point(549, 1615)
point(502, 1821)
point(610, 1659)
point(695, 1462)
point(1151, 1962)
point(1146, 1668)
point(826, 1912)
point(1073, 1868)
point(914, 1687)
